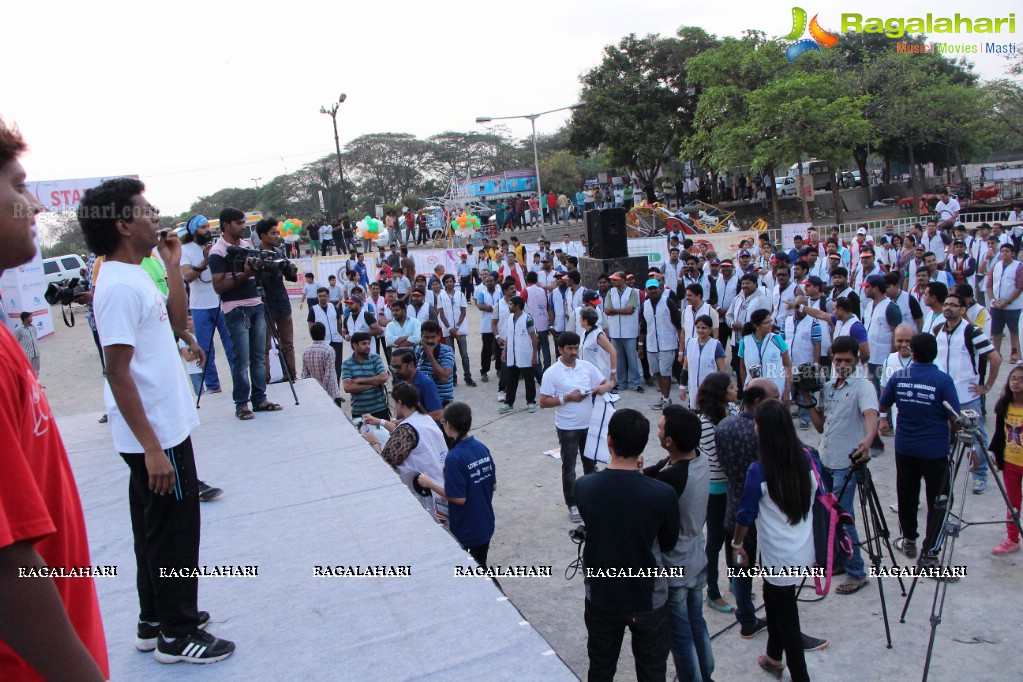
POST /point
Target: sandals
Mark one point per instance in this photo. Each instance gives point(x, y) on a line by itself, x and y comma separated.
point(244, 413)
point(770, 665)
point(851, 585)
point(267, 407)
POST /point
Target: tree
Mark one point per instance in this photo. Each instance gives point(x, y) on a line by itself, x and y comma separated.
point(560, 172)
point(63, 234)
point(1006, 98)
point(210, 206)
point(387, 166)
point(637, 103)
point(454, 155)
point(727, 76)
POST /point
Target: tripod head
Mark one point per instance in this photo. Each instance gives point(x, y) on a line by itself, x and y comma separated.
point(967, 419)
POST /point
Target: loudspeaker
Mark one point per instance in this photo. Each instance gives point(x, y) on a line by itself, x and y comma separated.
point(606, 234)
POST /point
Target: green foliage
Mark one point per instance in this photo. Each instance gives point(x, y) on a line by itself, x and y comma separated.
point(638, 105)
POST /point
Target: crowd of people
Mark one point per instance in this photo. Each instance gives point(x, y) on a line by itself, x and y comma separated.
point(852, 339)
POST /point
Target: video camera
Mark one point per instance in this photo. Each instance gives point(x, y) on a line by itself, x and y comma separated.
point(264, 263)
point(808, 378)
point(64, 291)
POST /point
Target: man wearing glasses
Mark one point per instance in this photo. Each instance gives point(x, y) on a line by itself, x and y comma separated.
point(967, 355)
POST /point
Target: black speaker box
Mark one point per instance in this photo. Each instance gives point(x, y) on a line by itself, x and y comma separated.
point(606, 234)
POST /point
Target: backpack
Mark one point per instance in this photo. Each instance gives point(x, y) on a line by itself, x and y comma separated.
point(832, 544)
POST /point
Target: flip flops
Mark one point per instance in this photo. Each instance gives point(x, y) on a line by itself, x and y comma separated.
point(851, 585)
point(267, 407)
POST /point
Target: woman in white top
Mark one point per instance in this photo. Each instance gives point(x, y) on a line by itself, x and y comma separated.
point(704, 356)
point(595, 347)
point(416, 445)
point(778, 496)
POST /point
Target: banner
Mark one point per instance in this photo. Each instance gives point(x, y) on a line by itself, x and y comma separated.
point(64, 195)
point(790, 230)
point(323, 267)
point(22, 290)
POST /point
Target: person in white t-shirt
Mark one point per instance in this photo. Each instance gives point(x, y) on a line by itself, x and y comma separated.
point(568, 386)
point(203, 302)
point(150, 408)
point(947, 209)
point(451, 309)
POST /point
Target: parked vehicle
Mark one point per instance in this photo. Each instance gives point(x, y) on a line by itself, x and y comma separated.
point(785, 187)
point(818, 170)
point(60, 268)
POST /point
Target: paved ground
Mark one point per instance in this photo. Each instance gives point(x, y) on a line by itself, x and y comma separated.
point(982, 614)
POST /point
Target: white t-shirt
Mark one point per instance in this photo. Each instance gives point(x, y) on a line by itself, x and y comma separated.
point(559, 380)
point(193, 367)
point(131, 311)
point(201, 295)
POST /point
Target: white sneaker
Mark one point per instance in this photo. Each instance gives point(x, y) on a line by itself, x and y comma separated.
point(573, 514)
point(501, 396)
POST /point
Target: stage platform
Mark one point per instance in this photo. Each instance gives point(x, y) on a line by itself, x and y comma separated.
point(302, 489)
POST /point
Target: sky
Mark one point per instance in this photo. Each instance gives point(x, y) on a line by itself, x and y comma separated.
point(197, 96)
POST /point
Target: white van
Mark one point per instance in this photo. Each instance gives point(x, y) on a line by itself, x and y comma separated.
point(63, 267)
point(818, 170)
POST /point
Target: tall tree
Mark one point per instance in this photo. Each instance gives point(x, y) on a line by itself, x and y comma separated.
point(387, 166)
point(637, 103)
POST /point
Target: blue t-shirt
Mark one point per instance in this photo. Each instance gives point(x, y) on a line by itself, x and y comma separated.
point(469, 472)
point(857, 330)
point(429, 398)
point(922, 429)
point(446, 359)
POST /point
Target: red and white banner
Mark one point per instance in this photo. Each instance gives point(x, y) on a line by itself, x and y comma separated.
point(64, 195)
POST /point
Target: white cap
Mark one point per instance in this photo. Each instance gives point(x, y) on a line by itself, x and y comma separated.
point(862, 230)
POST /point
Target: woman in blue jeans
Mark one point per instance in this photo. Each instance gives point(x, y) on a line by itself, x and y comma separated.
point(715, 400)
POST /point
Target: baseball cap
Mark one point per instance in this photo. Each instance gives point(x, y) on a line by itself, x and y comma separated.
point(354, 299)
point(862, 230)
point(417, 292)
point(464, 255)
point(876, 281)
point(715, 261)
point(835, 256)
point(617, 275)
point(814, 280)
point(653, 284)
point(545, 259)
point(959, 241)
point(744, 252)
point(591, 296)
point(727, 261)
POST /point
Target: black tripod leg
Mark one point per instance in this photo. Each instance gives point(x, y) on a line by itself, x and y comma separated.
point(881, 526)
point(874, 534)
point(271, 325)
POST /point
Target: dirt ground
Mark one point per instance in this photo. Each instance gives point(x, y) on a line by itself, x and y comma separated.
point(982, 613)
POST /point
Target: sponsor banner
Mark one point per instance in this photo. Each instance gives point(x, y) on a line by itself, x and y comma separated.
point(22, 289)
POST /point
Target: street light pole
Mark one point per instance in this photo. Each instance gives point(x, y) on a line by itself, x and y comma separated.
point(536, 154)
point(337, 147)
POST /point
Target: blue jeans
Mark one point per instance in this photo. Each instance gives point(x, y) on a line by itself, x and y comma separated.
point(690, 641)
point(981, 445)
point(247, 327)
point(626, 348)
point(203, 320)
point(834, 480)
point(196, 383)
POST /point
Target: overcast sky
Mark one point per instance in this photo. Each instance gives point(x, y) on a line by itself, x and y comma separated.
point(197, 96)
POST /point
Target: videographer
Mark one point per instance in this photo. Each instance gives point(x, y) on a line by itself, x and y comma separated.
point(234, 280)
point(276, 295)
point(203, 302)
point(617, 541)
point(921, 441)
point(847, 416)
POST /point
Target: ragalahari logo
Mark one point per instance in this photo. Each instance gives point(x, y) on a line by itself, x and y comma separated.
point(818, 36)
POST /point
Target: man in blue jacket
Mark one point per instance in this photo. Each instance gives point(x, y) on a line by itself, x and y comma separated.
point(922, 442)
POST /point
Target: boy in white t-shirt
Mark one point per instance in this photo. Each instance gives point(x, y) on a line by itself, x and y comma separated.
point(151, 415)
point(193, 361)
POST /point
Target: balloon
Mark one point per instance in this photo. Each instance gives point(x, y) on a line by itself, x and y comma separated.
point(280, 225)
point(454, 224)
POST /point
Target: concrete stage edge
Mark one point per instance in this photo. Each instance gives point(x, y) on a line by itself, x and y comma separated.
point(303, 489)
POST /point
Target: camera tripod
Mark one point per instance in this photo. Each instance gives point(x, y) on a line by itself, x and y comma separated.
point(876, 536)
point(952, 522)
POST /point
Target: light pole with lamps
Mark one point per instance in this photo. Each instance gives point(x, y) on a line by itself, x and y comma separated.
point(536, 155)
point(337, 147)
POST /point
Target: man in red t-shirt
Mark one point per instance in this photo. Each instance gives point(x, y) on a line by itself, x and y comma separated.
point(50, 628)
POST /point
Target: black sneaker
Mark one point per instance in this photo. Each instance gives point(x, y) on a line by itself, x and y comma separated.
point(208, 492)
point(754, 630)
point(146, 633)
point(470, 382)
point(198, 646)
point(484, 378)
point(813, 643)
point(640, 389)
